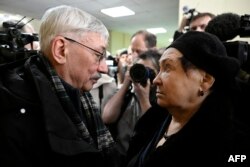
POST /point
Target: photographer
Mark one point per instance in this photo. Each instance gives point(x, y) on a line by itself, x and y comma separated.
point(124, 109)
point(193, 21)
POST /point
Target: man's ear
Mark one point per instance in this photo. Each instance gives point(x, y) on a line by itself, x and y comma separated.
point(58, 50)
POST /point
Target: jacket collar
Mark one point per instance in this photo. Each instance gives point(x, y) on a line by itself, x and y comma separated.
point(62, 133)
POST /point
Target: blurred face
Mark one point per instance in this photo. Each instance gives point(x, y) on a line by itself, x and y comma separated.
point(200, 23)
point(138, 46)
point(122, 59)
point(175, 87)
point(129, 56)
point(34, 46)
point(129, 59)
point(83, 65)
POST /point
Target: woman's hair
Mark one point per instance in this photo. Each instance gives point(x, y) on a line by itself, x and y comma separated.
point(66, 19)
point(187, 65)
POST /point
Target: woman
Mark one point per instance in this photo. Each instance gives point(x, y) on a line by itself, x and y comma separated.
point(198, 96)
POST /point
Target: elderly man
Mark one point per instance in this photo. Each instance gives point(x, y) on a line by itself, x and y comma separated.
point(48, 117)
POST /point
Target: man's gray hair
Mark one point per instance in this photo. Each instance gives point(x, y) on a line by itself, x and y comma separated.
point(63, 19)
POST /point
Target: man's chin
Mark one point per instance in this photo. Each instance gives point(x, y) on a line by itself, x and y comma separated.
point(87, 87)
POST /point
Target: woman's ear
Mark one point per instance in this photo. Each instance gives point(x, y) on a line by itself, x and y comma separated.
point(207, 81)
point(58, 50)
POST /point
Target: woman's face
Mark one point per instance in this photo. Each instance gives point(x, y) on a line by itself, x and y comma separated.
point(176, 88)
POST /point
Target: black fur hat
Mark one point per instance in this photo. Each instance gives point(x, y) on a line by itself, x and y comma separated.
point(208, 53)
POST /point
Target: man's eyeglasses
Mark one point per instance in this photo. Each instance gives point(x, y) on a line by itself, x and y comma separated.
point(99, 55)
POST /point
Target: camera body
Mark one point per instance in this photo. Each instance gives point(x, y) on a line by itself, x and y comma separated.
point(244, 26)
point(140, 74)
point(13, 41)
point(241, 49)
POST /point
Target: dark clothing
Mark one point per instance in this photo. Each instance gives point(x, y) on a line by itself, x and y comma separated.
point(34, 128)
point(177, 34)
point(208, 139)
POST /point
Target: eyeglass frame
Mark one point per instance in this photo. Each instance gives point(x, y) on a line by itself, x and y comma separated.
point(100, 55)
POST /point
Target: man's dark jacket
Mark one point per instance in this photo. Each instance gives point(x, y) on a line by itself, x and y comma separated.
point(34, 129)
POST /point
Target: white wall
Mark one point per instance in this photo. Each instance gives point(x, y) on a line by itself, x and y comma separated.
point(217, 6)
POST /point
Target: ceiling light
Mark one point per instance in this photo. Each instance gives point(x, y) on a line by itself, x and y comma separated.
point(157, 30)
point(118, 11)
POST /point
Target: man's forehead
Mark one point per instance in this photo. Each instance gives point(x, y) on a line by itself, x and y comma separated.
point(201, 20)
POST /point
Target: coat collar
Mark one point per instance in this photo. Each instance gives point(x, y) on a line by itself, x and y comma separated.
point(62, 133)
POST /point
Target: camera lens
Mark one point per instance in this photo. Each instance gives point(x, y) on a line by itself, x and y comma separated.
point(140, 74)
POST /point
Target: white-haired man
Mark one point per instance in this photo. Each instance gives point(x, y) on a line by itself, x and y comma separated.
point(48, 117)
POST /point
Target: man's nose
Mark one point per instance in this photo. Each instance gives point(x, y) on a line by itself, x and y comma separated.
point(134, 55)
point(103, 67)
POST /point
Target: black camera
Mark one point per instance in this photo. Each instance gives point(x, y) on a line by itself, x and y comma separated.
point(227, 26)
point(13, 41)
point(140, 74)
point(241, 49)
point(244, 26)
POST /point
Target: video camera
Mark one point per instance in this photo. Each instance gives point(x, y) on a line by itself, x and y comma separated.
point(241, 49)
point(13, 41)
point(227, 26)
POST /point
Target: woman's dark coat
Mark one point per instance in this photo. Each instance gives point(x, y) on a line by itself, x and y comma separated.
point(219, 129)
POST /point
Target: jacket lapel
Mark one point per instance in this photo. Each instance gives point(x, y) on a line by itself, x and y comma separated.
point(62, 133)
